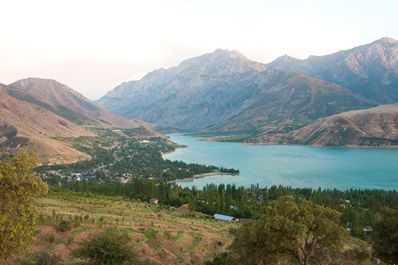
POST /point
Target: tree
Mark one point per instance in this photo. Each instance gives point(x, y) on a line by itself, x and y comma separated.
point(18, 185)
point(110, 246)
point(385, 237)
point(289, 231)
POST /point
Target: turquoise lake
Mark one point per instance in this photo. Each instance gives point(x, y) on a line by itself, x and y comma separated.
point(291, 165)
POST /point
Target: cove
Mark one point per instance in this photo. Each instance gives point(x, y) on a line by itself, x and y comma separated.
point(291, 165)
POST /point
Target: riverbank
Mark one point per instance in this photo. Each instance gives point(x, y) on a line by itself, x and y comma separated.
point(203, 175)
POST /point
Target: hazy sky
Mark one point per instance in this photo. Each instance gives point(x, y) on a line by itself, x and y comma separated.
point(94, 45)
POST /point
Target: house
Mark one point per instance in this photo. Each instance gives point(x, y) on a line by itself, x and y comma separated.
point(226, 218)
point(185, 207)
point(154, 201)
point(368, 229)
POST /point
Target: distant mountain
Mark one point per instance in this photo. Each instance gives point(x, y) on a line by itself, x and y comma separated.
point(26, 124)
point(38, 113)
point(225, 91)
point(377, 127)
point(369, 70)
point(290, 104)
point(67, 103)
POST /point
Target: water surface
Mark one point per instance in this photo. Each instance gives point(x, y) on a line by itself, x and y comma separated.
point(291, 165)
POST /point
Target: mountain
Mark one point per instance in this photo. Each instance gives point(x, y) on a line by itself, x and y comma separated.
point(292, 103)
point(26, 124)
point(225, 91)
point(38, 113)
point(369, 70)
point(69, 104)
point(376, 126)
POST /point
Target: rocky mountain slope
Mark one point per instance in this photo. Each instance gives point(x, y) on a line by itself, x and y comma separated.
point(69, 104)
point(225, 91)
point(376, 126)
point(369, 70)
point(292, 103)
point(27, 124)
point(38, 113)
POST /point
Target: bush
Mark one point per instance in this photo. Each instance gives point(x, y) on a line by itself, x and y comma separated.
point(42, 258)
point(64, 225)
point(111, 246)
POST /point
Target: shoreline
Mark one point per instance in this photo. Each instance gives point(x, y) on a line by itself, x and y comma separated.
point(203, 175)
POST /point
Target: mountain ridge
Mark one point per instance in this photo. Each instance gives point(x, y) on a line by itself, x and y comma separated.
point(369, 70)
point(215, 92)
point(373, 127)
point(37, 113)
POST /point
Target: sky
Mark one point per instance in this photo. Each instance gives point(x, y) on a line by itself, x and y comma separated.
point(92, 46)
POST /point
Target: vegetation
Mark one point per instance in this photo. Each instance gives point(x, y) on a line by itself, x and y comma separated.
point(359, 208)
point(109, 247)
point(157, 234)
point(17, 187)
point(117, 156)
point(42, 258)
point(281, 224)
point(386, 237)
point(300, 232)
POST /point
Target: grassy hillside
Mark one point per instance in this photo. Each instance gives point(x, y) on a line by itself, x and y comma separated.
point(160, 234)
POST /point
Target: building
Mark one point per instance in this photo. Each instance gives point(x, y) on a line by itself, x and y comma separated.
point(185, 207)
point(226, 218)
point(154, 201)
point(368, 229)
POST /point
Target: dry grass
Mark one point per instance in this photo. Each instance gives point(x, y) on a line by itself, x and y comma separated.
point(161, 235)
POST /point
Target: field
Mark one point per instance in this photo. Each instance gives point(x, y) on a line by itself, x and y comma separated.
point(159, 234)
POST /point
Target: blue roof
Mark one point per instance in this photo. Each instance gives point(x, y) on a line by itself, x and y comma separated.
point(223, 217)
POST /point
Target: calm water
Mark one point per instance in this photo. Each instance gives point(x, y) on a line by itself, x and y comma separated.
point(296, 166)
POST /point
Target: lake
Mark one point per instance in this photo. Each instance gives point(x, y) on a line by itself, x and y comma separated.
point(291, 165)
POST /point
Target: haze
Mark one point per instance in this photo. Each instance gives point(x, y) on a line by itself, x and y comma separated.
point(94, 45)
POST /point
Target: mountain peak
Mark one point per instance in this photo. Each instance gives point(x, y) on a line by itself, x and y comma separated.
point(228, 53)
point(220, 61)
point(387, 40)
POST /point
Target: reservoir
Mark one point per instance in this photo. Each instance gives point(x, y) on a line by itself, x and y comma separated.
point(290, 165)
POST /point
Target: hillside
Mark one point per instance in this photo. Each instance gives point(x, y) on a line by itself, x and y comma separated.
point(369, 70)
point(70, 104)
point(160, 234)
point(26, 124)
point(39, 113)
point(224, 91)
point(291, 104)
point(376, 127)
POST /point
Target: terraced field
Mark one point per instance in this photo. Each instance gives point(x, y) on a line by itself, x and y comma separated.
point(159, 234)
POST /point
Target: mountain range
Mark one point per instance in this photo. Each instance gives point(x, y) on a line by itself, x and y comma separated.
point(369, 70)
point(39, 113)
point(336, 99)
point(224, 92)
point(373, 127)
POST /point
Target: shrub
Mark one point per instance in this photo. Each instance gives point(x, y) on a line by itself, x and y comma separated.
point(42, 258)
point(111, 246)
point(64, 225)
point(51, 238)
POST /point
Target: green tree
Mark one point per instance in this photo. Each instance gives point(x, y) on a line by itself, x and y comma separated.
point(385, 237)
point(18, 185)
point(110, 246)
point(290, 231)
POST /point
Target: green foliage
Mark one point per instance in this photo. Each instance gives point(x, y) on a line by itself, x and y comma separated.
point(64, 225)
point(299, 232)
point(151, 233)
point(123, 155)
point(18, 186)
point(360, 253)
point(42, 258)
point(221, 259)
point(385, 237)
point(109, 247)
